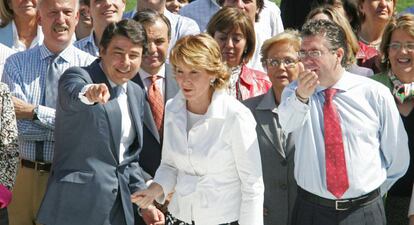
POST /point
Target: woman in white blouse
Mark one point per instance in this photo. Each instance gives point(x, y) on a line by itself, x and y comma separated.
point(210, 155)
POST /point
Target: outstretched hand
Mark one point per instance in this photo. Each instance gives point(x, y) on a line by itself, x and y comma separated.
point(145, 198)
point(98, 93)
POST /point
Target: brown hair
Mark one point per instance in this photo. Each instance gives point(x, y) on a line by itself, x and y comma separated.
point(339, 19)
point(404, 22)
point(230, 18)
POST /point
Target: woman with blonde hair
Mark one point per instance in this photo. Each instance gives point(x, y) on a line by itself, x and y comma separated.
point(374, 16)
point(332, 13)
point(210, 154)
point(18, 24)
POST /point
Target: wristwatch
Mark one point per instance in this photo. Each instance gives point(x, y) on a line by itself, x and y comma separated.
point(34, 118)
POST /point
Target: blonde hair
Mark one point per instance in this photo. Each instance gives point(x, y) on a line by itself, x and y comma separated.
point(6, 13)
point(201, 51)
point(337, 17)
point(289, 36)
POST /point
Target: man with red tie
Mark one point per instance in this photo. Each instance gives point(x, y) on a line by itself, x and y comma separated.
point(351, 145)
point(156, 77)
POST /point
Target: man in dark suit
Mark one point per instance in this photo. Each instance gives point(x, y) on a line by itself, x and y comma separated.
point(158, 30)
point(99, 137)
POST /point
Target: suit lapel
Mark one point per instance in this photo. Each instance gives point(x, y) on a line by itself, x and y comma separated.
point(132, 102)
point(111, 108)
point(268, 121)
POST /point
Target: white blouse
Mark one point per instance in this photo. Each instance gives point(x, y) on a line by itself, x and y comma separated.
point(215, 170)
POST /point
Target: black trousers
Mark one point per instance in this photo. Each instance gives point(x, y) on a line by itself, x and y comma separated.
point(171, 220)
point(4, 219)
point(308, 213)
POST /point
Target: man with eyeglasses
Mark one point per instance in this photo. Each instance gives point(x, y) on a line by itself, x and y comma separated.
point(351, 145)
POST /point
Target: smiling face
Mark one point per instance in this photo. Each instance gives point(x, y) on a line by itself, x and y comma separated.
point(157, 36)
point(402, 59)
point(121, 59)
point(23, 8)
point(194, 84)
point(232, 45)
point(282, 75)
point(58, 19)
point(84, 15)
point(379, 11)
point(104, 12)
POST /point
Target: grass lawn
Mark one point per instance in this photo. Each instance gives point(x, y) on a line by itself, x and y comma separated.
point(401, 5)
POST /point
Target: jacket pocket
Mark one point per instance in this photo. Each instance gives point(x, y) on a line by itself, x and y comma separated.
point(77, 177)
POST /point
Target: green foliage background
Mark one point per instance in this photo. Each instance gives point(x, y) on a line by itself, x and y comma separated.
point(401, 5)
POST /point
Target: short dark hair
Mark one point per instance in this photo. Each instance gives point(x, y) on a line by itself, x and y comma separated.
point(128, 28)
point(150, 16)
point(330, 31)
point(85, 2)
point(259, 6)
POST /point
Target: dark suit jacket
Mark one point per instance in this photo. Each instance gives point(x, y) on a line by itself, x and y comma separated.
point(277, 153)
point(150, 156)
point(87, 179)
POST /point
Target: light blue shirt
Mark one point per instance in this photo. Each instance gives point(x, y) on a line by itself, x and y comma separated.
point(180, 25)
point(87, 44)
point(375, 141)
point(5, 52)
point(200, 11)
point(25, 74)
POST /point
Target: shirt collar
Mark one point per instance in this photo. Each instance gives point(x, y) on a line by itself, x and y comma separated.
point(216, 109)
point(343, 84)
point(144, 74)
point(66, 54)
point(18, 46)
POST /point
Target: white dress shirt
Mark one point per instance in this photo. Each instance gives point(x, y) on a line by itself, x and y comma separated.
point(5, 52)
point(269, 25)
point(374, 137)
point(146, 79)
point(19, 46)
point(215, 168)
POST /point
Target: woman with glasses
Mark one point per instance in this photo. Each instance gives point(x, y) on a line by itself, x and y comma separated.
point(234, 32)
point(397, 49)
point(373, 16)
point(280, 59)
point(210, 154)
point(332, 13)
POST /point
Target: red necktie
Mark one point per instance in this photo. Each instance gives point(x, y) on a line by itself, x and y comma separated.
point(336, 174)
point(156, 102)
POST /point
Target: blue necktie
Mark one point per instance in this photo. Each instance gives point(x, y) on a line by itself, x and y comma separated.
point(52, 78)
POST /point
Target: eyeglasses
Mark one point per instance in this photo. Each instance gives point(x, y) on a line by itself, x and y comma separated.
point(288, 62)
point(397, 46)
point(314, 54)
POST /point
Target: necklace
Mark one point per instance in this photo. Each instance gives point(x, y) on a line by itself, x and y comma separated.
point(374, 44)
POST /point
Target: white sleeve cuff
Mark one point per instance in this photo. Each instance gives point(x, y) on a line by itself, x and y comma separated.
point(82, 96)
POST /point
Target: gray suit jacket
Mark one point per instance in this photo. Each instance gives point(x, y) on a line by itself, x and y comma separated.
point(87, 180)
point(277, 153)
point(150, 156)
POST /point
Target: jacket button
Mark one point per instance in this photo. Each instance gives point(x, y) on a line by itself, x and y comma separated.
point(114, 191)
point(283, 186)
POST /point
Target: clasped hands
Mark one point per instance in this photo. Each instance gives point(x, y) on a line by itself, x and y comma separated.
point(144, 199)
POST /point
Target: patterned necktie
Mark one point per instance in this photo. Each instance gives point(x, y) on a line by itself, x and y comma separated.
point(52, 78)
point(156, 102)
point(336, 174)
